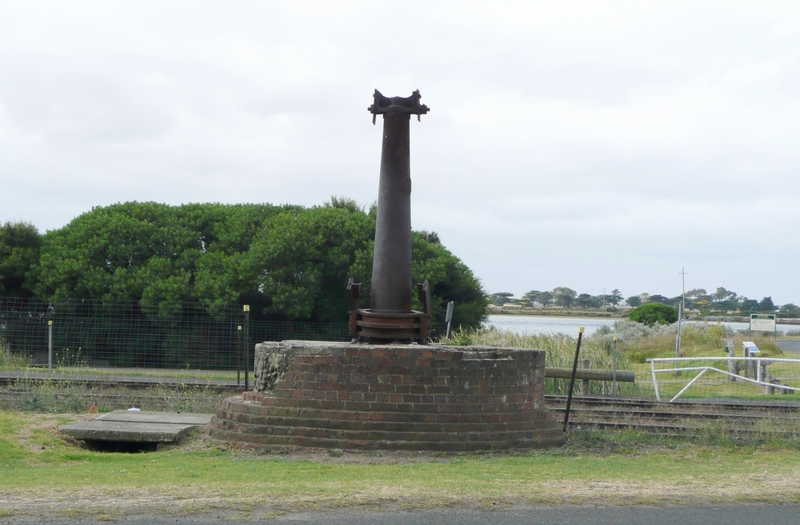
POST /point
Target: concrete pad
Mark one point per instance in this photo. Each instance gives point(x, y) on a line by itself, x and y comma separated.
point(178, 418)
point(126, 426)
point(98, 430)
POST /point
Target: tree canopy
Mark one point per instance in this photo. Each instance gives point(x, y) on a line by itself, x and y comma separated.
point(287, 262)
point(652, 313)
point(19, 250)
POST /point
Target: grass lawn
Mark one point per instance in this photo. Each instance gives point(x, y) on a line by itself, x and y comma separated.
point(40, 472)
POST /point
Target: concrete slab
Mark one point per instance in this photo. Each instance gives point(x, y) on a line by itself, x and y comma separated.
point(97, 430)
point(136, 426)
point(178, 418)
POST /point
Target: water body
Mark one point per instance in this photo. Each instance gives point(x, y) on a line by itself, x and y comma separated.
point(529, 324)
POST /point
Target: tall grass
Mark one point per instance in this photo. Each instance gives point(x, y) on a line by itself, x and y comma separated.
point(73, 397)
point(9, 360)
point(635, 343)
point(640, 342)
point(560, 353)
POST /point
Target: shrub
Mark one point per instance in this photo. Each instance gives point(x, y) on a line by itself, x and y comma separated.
point(653, 313)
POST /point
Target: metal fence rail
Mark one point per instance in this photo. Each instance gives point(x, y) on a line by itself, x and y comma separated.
point(710, 377)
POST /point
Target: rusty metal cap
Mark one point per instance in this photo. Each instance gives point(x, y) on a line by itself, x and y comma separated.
point(409, 105)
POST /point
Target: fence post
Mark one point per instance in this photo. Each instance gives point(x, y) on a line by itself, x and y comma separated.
point(748, 365)
point(50, 346)
point(764, 376)
point(572, 380)
point(246, 309)
point(587, 364)
point(238, 354)
point(614, 369)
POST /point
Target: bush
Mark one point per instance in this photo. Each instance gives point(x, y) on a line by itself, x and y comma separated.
point(653, 313)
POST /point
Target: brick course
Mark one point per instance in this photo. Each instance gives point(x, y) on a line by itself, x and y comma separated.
point(390, 397)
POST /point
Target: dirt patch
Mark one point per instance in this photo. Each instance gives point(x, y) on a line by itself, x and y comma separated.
point(48, 423)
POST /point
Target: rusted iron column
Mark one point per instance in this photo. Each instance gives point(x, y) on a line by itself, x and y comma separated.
point(391, 266)
point(390, 315)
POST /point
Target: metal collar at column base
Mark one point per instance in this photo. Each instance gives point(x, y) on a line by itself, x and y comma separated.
point(367, 324)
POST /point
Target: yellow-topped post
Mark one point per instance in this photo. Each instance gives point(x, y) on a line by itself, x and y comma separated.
point(50, 346)
point(572, 380)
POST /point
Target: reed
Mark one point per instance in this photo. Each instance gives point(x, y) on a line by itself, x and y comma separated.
point(560, 353)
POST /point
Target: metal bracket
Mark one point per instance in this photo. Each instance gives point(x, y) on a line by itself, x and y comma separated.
point(424, 295)
point(353, 291)
point(382, 105)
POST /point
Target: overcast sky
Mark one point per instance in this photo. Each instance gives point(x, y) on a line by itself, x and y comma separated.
point(594, 145)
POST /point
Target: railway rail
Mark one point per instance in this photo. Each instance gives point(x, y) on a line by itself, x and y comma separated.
point(684, 418)
point(688, 418)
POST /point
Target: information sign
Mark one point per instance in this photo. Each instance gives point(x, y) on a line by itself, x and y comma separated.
point(762, 322)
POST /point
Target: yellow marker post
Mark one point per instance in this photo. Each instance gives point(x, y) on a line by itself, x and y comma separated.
point(238, 354)
point(246, 309)
point(50, 346)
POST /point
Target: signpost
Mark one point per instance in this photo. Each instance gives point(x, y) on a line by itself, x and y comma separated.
point(449, 317)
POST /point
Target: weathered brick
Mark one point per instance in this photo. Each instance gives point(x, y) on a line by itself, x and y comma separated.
point(350, 406)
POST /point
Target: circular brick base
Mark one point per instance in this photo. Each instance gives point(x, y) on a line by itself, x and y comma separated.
point(390, 397)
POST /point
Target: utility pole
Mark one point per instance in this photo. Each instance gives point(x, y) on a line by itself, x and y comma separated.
point(683, 289)
point(680, 318)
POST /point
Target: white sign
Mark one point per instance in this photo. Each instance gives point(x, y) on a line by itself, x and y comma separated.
point(750, 347)
point(762, 322)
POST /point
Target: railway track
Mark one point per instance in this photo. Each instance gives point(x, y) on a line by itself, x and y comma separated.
point(129, 382)
point(685, 418)
point(692, 418)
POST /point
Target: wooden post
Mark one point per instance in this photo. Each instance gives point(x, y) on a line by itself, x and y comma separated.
point(587, 364)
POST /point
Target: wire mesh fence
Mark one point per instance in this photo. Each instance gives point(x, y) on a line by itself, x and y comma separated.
point(86, 333)
point(94, 336)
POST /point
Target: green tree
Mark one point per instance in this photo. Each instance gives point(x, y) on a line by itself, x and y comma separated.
point(449, 280)
point(585, 300)
point(564, 296)
point(301, 261)
point(652, 313)
point(20, 243)
point(149, 252)
point(766, 305)
point(545, 298)
point(723, 295)
point(287, 262)
point(501, 298)
point(615, 298)
point(745, 304)
point(660, 299)
point(531, 297)
point(634, 300)
point(789, 310)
